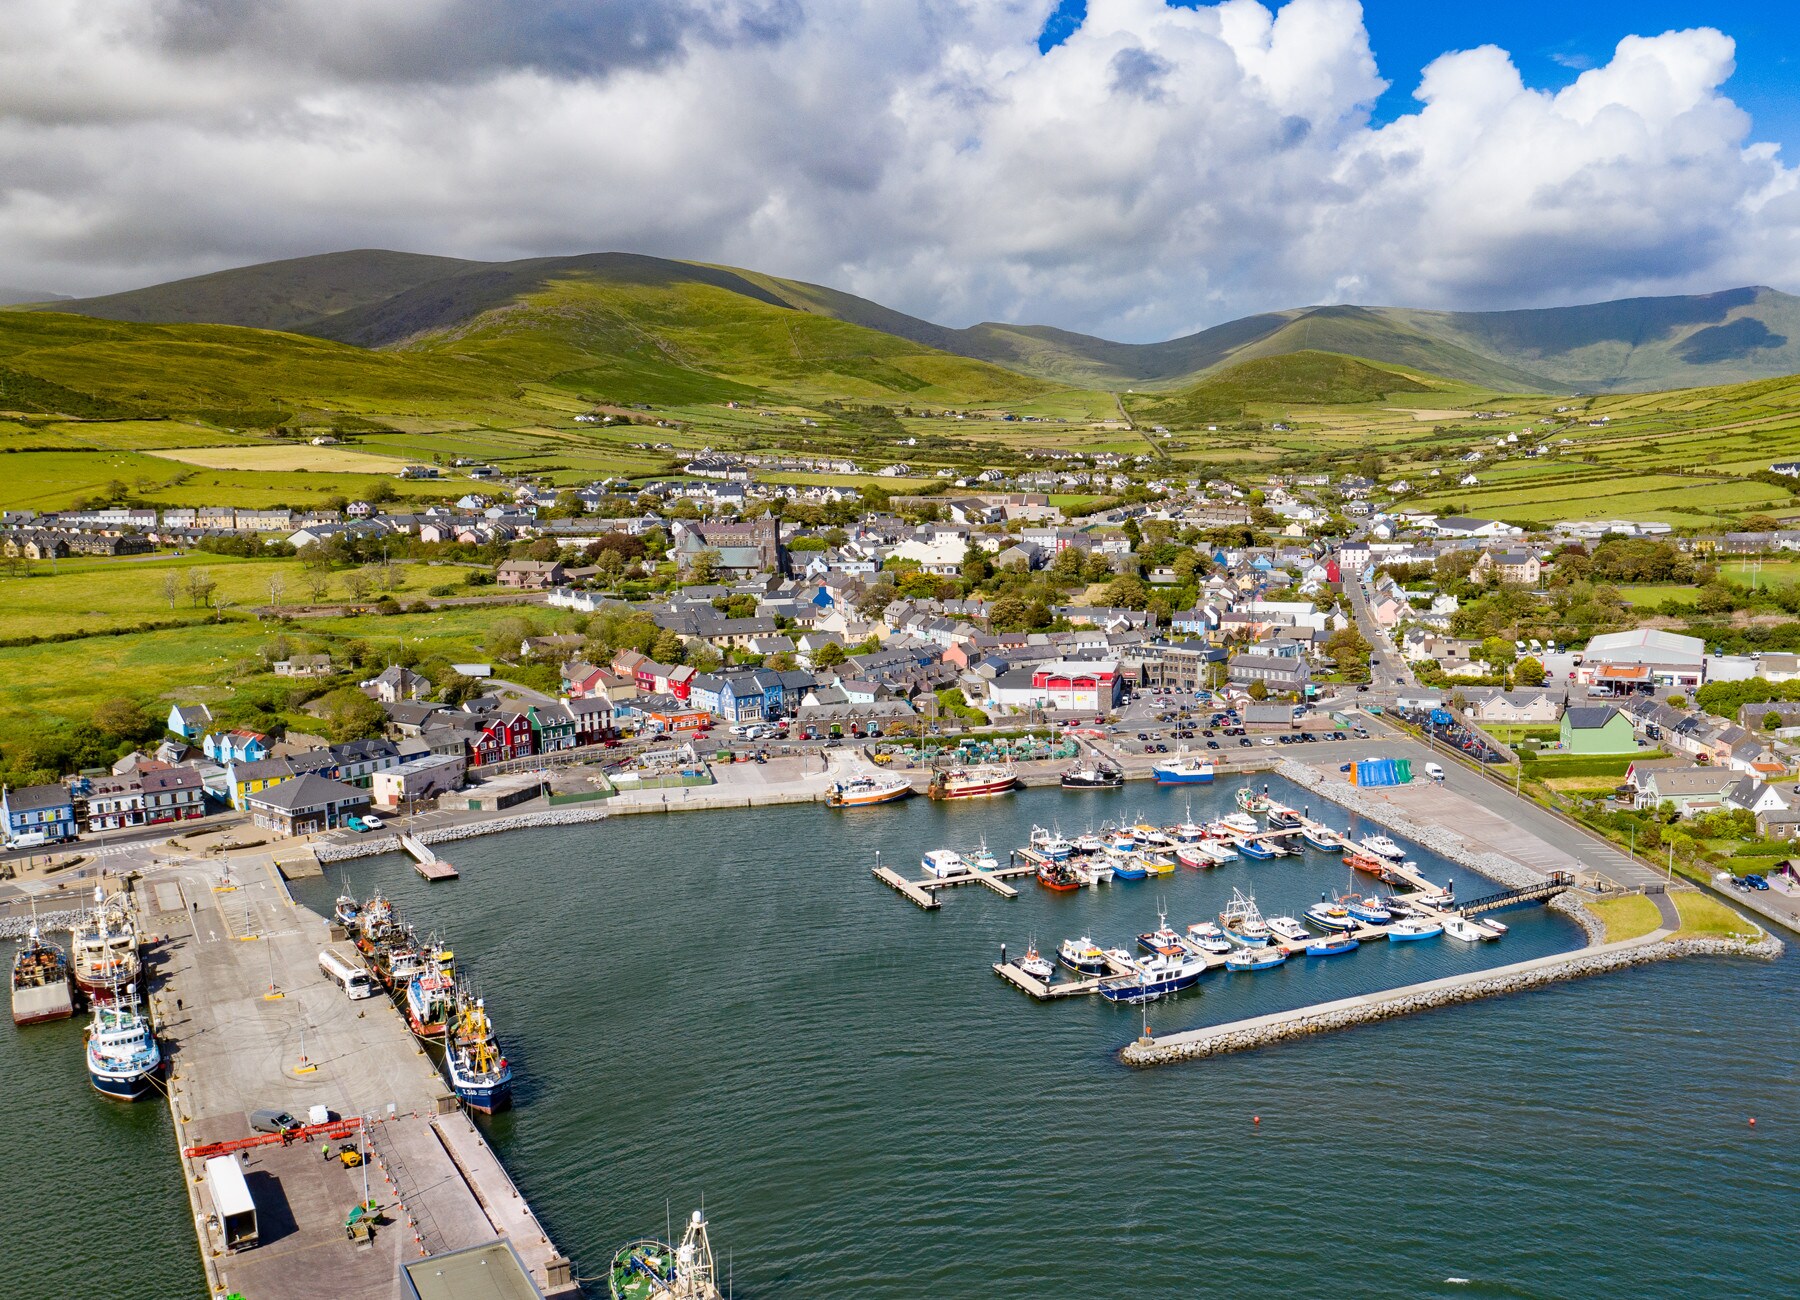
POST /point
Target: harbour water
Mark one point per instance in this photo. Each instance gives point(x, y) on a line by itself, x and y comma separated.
point(726, 1006)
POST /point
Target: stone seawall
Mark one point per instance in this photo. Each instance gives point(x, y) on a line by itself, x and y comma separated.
point(1328, 1017)
point(369, 848)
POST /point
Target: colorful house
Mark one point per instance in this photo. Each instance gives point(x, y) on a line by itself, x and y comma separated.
point(1597, 729)
point(243, 778)
point(34, 810)
point(506, 735)
point(236, 747)
point(189, 721)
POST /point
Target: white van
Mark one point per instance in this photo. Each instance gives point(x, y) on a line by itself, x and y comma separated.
point(352, 979)
point(1433, 771)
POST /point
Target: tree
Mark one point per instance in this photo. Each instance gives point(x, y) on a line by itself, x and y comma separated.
point(829, 655)
point(610, 564)
point(318, 581)
point(1127, 591)
point(381, 492)
point(505, 637)
point(1529, 672)
point(200, 586)
point(976, 567)
point(1349, 650)
point(1258, 690)
point(171, 586)
point(703, 566)
point(277, 585)
point(1771, 720)
point(120, 718)
point(667, 648)
point(1678, 701)
point(358, 584)
point(1498, 652)
point(1759, 523)
point(1008, 614)
point(348, 714)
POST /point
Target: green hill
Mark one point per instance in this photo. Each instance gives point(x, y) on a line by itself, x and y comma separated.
point(1296, 378)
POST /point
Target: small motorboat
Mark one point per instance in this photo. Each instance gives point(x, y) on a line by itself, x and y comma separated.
point(1413, 928)
point(1461, 927)
point(1236, 824)
point(1198, 856)
point(1098, 870)
point(944, 863)
point(1261, 850)
point(1368, 911)
point(1188, 831)
point(1221, 850)
point(1051, 844)
point(1282, 819)
point(1207, 937)
point(1323, 840)
point(1331, 916)
point(1332, 945)
point(1162, 939)
point(1255, 958)
point(1089, 842)
point(1286, 927)
point(1060, 876)
point(1497, 927)
point(1036, 965)
point(1157, 864)
point(1382, 847)
point(982, 859)
point(1251, 802)
point(1083, 956)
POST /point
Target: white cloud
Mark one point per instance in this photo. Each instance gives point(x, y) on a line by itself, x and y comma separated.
point(1161, 170)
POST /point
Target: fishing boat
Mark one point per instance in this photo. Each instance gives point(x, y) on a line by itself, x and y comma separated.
point(1381, 846)
point(1157, 864)
point(1242, 921)
point(1099, 870)
point(1250, 801)
point(1052, 844)
point(1321, 839)
point(1083, 956)
point(1235, 824)
point(1156, 976)
point(1059, 876)
point(1188, 831)
point(1162, 939)
point(375, 924)
point(122, 1055)
point(479, 1073)
point(1461, 927)
point(943, 864)
point(1286, 927)
point(40, 981)
point(1259, 849)
point(1126, 866)
point(430, 1002)
point(104, 949)
point(396, 964)
point(346, 910)
point(1330, 916)
point(1088, 842)
point(1413, 928)
point(1332, 945)
point(1207, 937)
point(1367, 911)
point(1036, 965)
point(1093, 776)
point(1118, 838)
point(866, 791)
point(1282, 818)
point(1380, 868)
point(648, 1269)
point(1155, 837)
point(1183, 768)
point(1255, 958)
point(1197, 856)
point(983, 858)
point(973, 782)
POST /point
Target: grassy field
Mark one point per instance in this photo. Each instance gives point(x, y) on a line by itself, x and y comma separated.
point(99, 594)
point(1702, 914)
point(279, 457)
point(1627, 917)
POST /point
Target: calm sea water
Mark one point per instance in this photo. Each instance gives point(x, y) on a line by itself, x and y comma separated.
point(725, 1006)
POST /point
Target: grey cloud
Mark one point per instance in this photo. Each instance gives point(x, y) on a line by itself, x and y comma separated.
point(442, 40)
point(1138, 73)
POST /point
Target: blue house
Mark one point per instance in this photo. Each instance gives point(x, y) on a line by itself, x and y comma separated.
point(236, 746)
point(38, 810)
point(703, 692)
point(190, 721)
point(741, 698)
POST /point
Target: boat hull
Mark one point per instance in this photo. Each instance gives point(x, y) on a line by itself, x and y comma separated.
point(1332, 948)
point(1099, 783)
point(1321, 844)
point(1255, 849)
point(1131, 990)
point(980, 790)
point(42, 1003)
point(122, 1087)
point(1182, 776)
point(1412, 936)
point(866, 798)
point(484, 1097)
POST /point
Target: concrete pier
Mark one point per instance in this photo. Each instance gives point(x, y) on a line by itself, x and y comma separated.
point(247, 1022)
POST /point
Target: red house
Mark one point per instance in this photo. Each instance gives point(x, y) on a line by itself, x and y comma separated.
point(507, 735)
point(1332, 572)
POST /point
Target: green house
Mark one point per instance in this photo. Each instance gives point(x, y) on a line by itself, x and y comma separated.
point(1597, 729)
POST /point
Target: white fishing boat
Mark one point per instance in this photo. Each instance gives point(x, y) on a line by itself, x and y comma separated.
point(1036, 965)
point(1241, 920)
point(1207, 937)
point(1083, 956)
point(1286, 927)
point(1088, 842)
point(982, 859)
point(1382, 847)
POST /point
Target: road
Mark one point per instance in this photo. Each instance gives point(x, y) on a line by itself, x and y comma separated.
point(1391, 675)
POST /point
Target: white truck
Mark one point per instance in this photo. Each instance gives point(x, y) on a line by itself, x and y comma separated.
point(1434, 771)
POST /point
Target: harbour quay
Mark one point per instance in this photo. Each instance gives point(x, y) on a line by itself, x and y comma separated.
point(249, 1023)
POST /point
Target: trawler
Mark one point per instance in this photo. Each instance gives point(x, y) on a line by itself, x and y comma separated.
point(40, 982)
point(105, 949)
point(654, 1270)
point(973, 782)
point(865, 791)
point(478, 1072)
point(122, 1055)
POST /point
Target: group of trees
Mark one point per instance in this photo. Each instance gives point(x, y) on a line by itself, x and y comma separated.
point(1724, 699)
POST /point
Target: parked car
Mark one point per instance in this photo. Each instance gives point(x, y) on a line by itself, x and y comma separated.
point(272, 1121)
point(1244, 741)
point(372, 823)
point(1756, 881)
point(1212, 744)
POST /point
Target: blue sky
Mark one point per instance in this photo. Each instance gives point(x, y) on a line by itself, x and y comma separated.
point(1551, 42)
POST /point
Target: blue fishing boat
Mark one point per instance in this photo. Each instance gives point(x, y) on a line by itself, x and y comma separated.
point(1156, 976)
point(480, 1075)
point(1162, 939)
point(1258, 849)
point(1183, 769)
point(1243, 922)
point(122, 1055)
point(1255, 958)
point(1127, 866)
point(1332, 945)
point(1413, 929)
point(1330, 916)
point(1323, 840)
point(1369, 911)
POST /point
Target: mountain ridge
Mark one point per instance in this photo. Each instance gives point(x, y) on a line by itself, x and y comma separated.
point(381, 299)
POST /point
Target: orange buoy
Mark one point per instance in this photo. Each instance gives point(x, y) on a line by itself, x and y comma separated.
point(1753, 1121)
point(1257, 1119)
